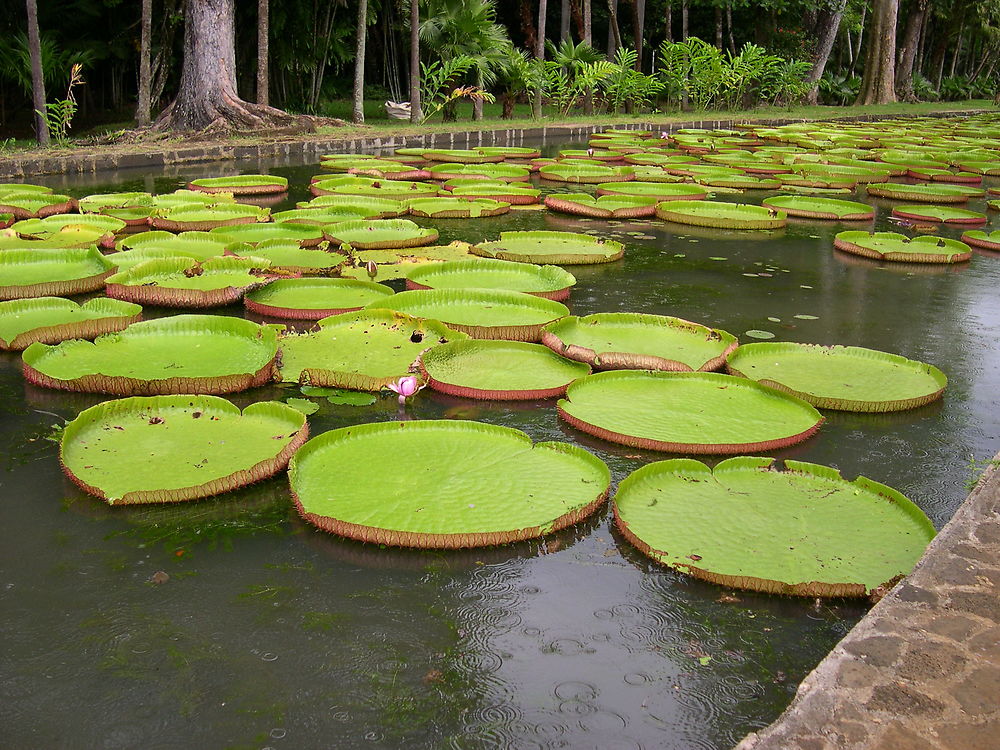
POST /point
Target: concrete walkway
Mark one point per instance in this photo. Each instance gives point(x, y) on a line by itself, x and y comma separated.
point(921, 671)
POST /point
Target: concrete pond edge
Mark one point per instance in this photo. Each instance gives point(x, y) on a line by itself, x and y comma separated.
point(921, 670)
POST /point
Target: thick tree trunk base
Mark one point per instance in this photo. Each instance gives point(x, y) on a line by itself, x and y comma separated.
point(225, 114)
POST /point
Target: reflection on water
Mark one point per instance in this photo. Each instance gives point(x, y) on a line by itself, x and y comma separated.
point(267, 633)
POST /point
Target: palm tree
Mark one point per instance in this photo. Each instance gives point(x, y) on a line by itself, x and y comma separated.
point(416, 112)
point(467, 27)
point(536, 100)
point(37, 82)
point(142, 114)
point(358, 113)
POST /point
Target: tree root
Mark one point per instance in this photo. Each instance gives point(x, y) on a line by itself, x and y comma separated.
point(225, 114)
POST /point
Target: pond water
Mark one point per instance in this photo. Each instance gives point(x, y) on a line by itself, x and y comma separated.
point(269, 633)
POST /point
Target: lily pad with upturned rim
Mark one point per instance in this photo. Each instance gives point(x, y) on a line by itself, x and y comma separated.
point(244, 184)
point(551, 248)
point(380, 234)
point(721, 215)
point(585, 173)
point(289, 256)
point(602, 207)
point(183, 282)
point(193, 217)
point(306, 236)
point(687, 412)
point(456, 208)
point(804, 531)
point(164, 449)
point(844, 378)
point(936, 193)
point(367, 207)
point(943, 214)
point(178, 354)
point(35, 204)
point(821, 208)
point(313, 298)
point(659, 190)
point(481, 313)
point(516, 194)
point(892, 246)
point(365, 350)
point(551, 282)
point(52, 272)
point(638, 341)
point(500, 370)
point(501, 488)
point(461, 156)
point(41, 229)
point(983, 240)
point(50, 320)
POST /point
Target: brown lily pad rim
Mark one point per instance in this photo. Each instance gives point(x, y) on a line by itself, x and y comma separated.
point(82, 329)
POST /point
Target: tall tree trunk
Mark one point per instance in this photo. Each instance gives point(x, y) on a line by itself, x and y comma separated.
point(614, 32)
point(828, 22)
point(263, 51)
point(718, 26)
point(684, 20)
point(536, 100)
point(564, 16)
point(729, 27)
point(638, 29)
point(416, 113)
point(358, 109)
point(958, 49)
point(908, 50)
point(142, 114)
point(477, 103)
point(207, 97)
point(856, 54)
point(588, 37)
point(37, 79)
point(879, 84)
point(668, 31)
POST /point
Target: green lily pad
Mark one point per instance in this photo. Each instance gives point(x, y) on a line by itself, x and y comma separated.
point(183, 282)
point(923, 193)
point(687, 412)
point(18, 188)
point(551, 248)
point(502, 172)
point(187, 217)
point(304, 405)
point(514, 193)
point(511, 152)
point(585, 173)
point(371, 188)
point(244, 184)
point(637, 341)
point(982, 240)
point(602, 207)
point(846, 378)
point(721, 215)
point(500, 370)
point(756, 333)
point(460, 156)
point(313, 298)
point(318, 217)
point(41, 229)
point(380, 234)
point(340, 397)
point(739, 182)
point(165, 449)
point(367, 207)
point(101, 202)
point(365, 350)
point(804, 531)
point(52, 272)
point(178, 354)
point(932, 174)
point(660, 191)
point(892, 246)
point(821, 208)
point(197, 245)
point(190, 197)
point(944, 214)
point(289, 256)
point(501, 489)
point(35, 204)
point(456, 208)
point(306, 236)
point(481, 313)
point(379, 168)
point(551, 282)
point(53, 319)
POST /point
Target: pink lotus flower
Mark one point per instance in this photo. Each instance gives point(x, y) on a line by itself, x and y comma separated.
point(406, 386)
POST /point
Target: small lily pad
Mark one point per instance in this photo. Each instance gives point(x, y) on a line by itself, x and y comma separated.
point(756, 333)
point(303, 405)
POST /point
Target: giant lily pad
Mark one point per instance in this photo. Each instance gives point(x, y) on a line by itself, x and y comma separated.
point(603, 207)
point(41, 229)
point(721, 215)
point(945, 214)
point(52, 272)
point(193, 217)
point(892, 246)
point(53, 319)
point(190, 197)
point(289, 256)
point(660, 191)
point(163, 449)
point(499, 488)
point(398, 264)
point(35, 204)
point(983, 240)
point(306, 236)
point(197, 245)
point(101, 202)
point(542, 281)
point(179, 354)
point(456, 208)
point(846, 378)
point(313, 298)
point(553, 248)
point(481, 313)
point(687, 412)
point(586, 173)
point(183, 282)
point(501, 172)
point(923, 193)
point(501, 370)
point(515, 194)
point(365, 350)
point(380, 234)
point(636, 341)
point(365, 206)
point(369, 187)
point(804, 531)
point(511, 152)
point(461, 156)
point(821, 208)
point(244, 184)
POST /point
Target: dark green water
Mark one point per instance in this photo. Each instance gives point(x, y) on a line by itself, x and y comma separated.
point(271, 634)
